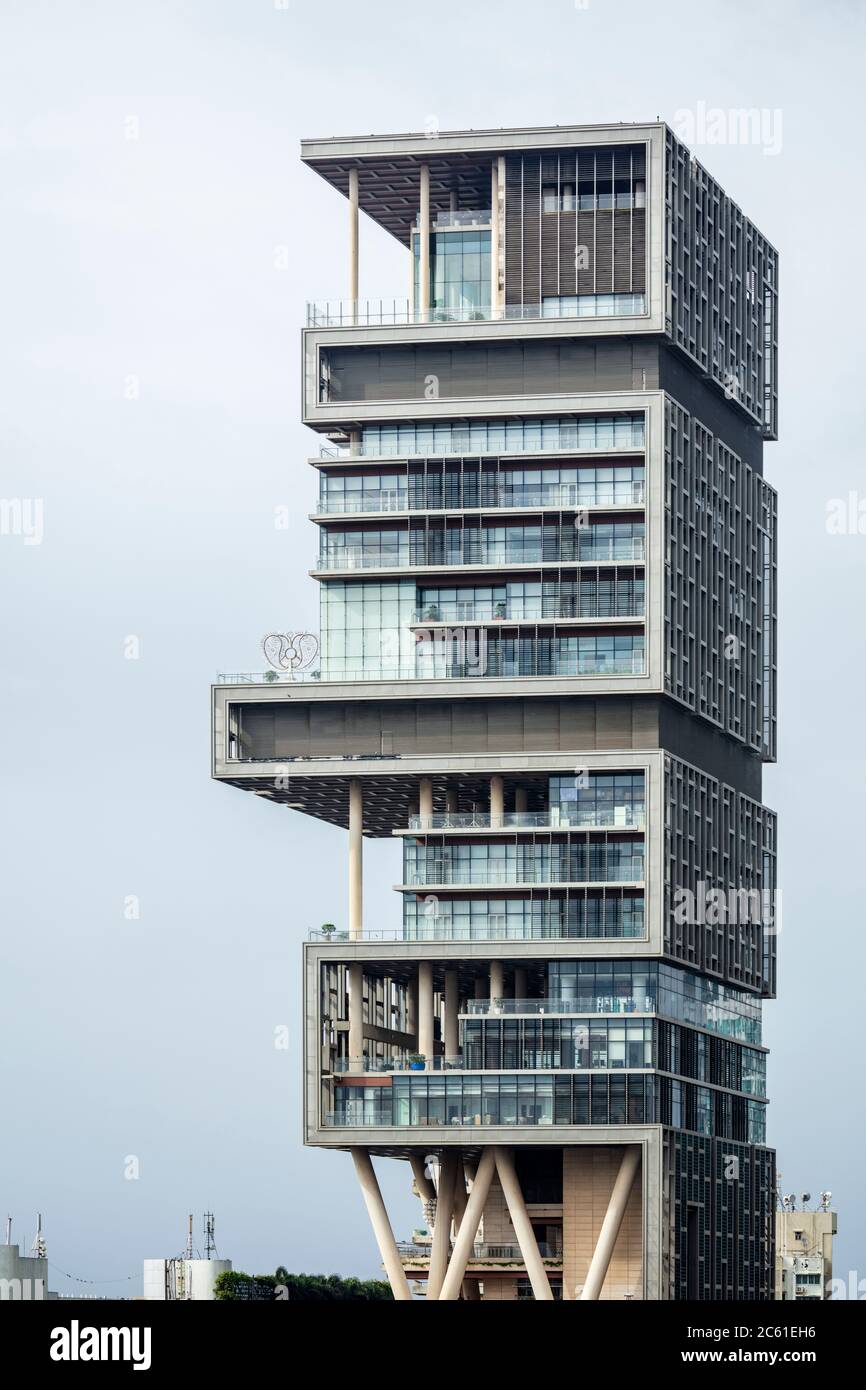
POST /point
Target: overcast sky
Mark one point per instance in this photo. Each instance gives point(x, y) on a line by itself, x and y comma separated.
point(149, 396)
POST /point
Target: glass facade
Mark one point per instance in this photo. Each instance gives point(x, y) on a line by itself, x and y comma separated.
point(616, 594)
point(578, 915)
point(599, 798)
point(458, 544)
point(366, 629)
point(652, 987)
point(529, 1098)
point(459, 273)
point(569, 306)
point(495, 654)
point(625, 431)
point(567, 1043)
point(526, 861)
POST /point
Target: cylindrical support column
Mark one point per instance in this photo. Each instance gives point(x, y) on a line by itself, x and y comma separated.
point(497, 800)
point(356, 858)
point(520, 986)
point(381, 1225)
point(452, 1008)
point(481, 988)
point(441, 1246)
point(520, 799)
point(424, 245)
point(353, 243)
point(497, 979)
point(600, 1261)
point(451, 801)
point(425, 1010)
point(522, 1225)
point(426, 1190)
point(425, 801)
point(468, 1228)
point(355, 973)
point(412, 1011)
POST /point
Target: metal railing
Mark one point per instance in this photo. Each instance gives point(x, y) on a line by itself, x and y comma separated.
point(266, 677)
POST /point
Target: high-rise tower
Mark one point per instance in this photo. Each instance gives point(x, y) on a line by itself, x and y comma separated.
point(547, 568)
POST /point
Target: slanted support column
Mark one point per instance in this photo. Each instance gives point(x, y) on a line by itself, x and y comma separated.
point(424, 1187)
point(381, 1225)
point(451, 801)
point(481, 988)
point(355, 973)
point(520, 799)
point(424, 246)
point(425, 802)
point(468, 1228)
point(442, 1225)
point(497, 800)
point(425, 1010)
point(601, 1258)
point(522, 1225)
point(520, 985)
point(356, 858)
point(353, 243)
point(452, 1009)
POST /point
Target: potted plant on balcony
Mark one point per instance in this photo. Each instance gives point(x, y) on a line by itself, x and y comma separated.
point(327, 929)
point(416, 1060)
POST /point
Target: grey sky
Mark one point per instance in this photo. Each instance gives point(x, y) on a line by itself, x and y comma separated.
point(154, 258)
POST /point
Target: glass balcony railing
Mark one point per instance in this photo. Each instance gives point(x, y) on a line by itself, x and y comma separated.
point(378, 1065)
point(605, 551)
point(563, 496)
point(473, 668)
point(446, 929)
point(557, 1007)
point(609, 817)
point(589, 606)
point(374, 313)
point(451, 876)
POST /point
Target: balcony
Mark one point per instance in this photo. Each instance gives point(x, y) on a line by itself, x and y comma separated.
point(383, 1066)
point(588, 550)
point(629, 873)
point(446, 929)
point(413, 1252)
point(378, 313)
point(560, 496)
point(591, 607)
point(557, 1008)
point(630, 665)
point(624, 817)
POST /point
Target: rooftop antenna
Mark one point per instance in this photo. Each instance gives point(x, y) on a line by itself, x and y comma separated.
point(37, 1249)
point(8, 1230)
point(210, 1249)
point(189, 1250)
